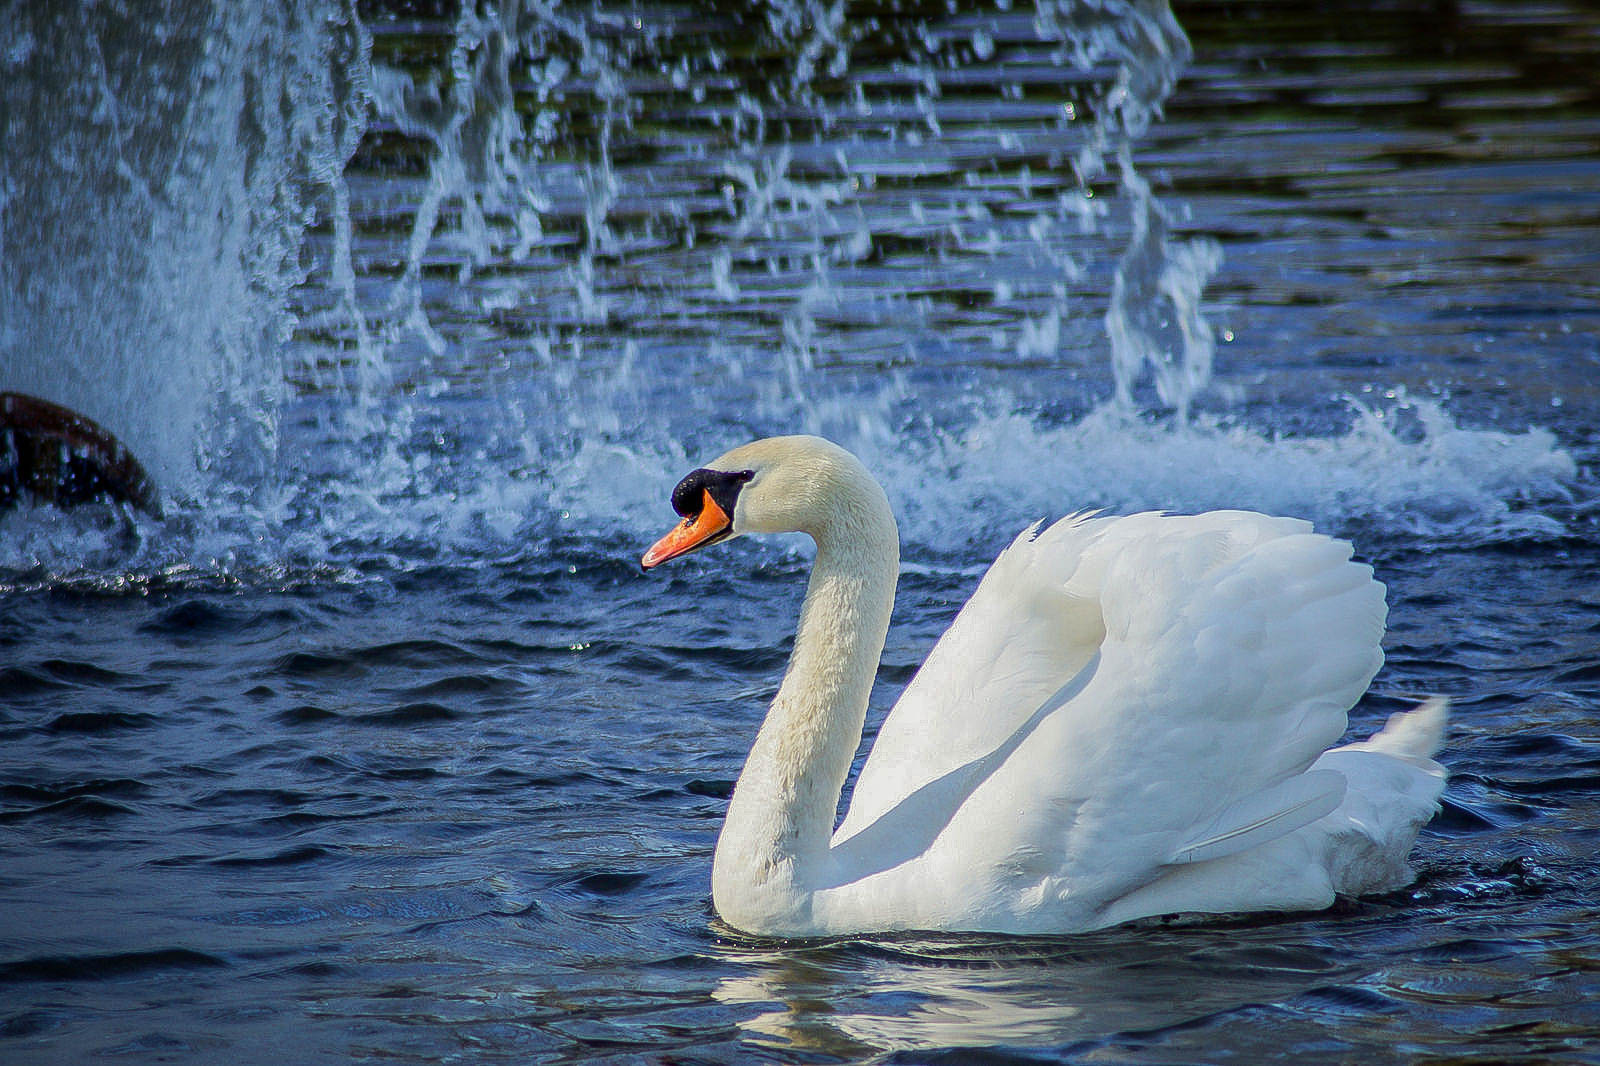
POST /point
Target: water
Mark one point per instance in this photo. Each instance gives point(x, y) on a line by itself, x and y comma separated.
point(378, 744)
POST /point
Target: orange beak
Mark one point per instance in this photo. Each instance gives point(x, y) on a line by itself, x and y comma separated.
point(710, 525)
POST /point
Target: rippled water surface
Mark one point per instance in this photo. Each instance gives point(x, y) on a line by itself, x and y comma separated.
point(379, 745)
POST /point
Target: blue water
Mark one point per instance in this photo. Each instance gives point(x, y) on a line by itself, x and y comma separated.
point(380, 746)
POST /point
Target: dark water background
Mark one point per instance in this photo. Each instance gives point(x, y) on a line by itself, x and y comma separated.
point(391, 753)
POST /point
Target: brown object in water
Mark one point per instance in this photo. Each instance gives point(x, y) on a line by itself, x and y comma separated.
point(52, 454)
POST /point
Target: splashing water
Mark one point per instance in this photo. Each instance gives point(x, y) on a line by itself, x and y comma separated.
point(576, 250)
point(1155, 319)
point(160, 165)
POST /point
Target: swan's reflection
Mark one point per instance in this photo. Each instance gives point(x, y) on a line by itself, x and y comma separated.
point(870, 997)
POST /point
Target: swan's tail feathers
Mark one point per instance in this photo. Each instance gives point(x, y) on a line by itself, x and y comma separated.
point(1413, 735)
point(1263, 816)
point(1410, 736)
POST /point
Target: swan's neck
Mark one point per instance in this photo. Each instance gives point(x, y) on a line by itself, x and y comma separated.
point(783, 809)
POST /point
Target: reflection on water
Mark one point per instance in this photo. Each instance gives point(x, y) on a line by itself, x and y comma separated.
point(1124, 995)
point(904, 995)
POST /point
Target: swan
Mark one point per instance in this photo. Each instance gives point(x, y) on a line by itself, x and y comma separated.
point(1130, 718)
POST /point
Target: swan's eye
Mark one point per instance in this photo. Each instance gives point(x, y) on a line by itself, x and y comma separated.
point(723, 485)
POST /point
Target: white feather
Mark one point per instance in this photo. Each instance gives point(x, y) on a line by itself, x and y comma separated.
point(1263, 817)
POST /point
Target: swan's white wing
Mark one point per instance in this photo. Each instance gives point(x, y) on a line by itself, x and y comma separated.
point(1019, 638)
point(1391, 790)
point(1229, 647)
point(1261, 817)
point(1234, 645)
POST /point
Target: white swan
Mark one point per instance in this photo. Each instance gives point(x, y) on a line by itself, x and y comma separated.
point(1127, 719)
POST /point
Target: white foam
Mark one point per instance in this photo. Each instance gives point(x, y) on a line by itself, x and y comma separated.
point(1444, 482)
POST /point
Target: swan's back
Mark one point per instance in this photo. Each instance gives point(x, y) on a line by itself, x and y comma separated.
point(1128, 704)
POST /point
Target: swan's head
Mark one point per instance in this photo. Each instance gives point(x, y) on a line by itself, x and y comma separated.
point(776, 485)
